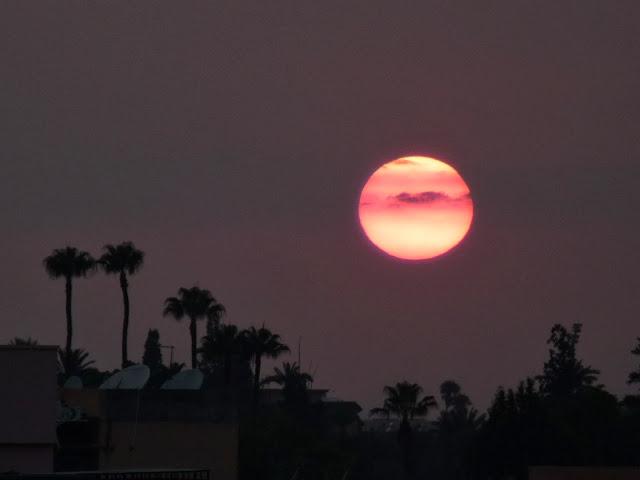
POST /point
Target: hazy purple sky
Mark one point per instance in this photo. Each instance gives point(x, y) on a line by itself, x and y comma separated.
point(229, 140)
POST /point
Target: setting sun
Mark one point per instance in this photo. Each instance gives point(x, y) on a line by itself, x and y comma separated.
point(415, 208)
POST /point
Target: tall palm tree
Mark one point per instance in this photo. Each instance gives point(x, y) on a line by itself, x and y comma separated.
point(123, 259)
point(404, 402)
point(196, 304)
point(69, 263)
point(261, 342)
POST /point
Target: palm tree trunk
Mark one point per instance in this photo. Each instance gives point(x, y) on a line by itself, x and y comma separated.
point(194, 335)
point(228, 358)
point(404, 438)
point(256, 387)
point(125, 321)
point(68, 293)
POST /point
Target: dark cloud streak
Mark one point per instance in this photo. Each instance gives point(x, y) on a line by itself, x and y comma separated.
point(425, 197)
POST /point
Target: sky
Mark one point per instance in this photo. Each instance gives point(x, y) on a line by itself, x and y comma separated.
point(230, 141)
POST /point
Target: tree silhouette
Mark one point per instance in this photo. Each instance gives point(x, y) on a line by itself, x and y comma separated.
point(294, 383)
point(403, 401)
point(152, 356)
point(196, 304)
point(563, 373)
point(452, 397)
point(457, 413)
point(457, 426)
point(225, 346)
point(69, 263)
point(259, 343)
point(122, 260)
point(74, 363)
point(634, 377)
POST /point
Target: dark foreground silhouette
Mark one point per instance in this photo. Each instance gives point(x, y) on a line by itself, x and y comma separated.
point(562, 416)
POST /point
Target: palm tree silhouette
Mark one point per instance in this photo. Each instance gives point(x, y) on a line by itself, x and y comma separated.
point(75, 362)
point(123, 259)
point(294, 383)
point(226, 344)
point(261, 342)
point(196, 304)
point(404, 402)
point(69, 263)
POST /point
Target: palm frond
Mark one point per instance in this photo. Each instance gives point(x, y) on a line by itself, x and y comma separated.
point(173, 307)
point(69, 262)
point(124, 257)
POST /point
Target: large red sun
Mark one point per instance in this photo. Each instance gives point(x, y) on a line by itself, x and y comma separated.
point(415, 208)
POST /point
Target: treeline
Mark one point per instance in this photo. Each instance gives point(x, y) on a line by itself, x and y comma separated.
point(561, 417)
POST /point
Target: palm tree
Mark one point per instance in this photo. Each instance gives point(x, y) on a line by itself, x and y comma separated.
point(294, 383)
point(404, 402)
point(75, 362)
point(225, 344)
point(196, 304)
point(261, 342)
point(68, 263)
point(124, 259)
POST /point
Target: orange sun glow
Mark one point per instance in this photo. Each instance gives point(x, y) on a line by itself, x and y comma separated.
point(415, 208)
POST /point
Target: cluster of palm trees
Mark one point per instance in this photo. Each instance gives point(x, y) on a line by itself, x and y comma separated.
point(222, 346)
point(405, 401)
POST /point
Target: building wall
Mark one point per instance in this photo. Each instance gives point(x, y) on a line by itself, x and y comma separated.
point(174, 445)
point(28, 408)
point(583, 473)
point(26, 458)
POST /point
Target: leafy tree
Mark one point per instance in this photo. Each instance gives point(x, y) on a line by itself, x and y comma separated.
point(452, 397)
point(122, 260)
point(458, 413)
point(403, 401)
point(18, 341)
point(69, 263)
point(261, 343)
point(634, 377)
point(152, 356)
point(196, 304)
point(515, 426)
point(564, 374)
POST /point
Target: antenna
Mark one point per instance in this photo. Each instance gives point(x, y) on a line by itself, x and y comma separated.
point(170, 347)
point(186, 380)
